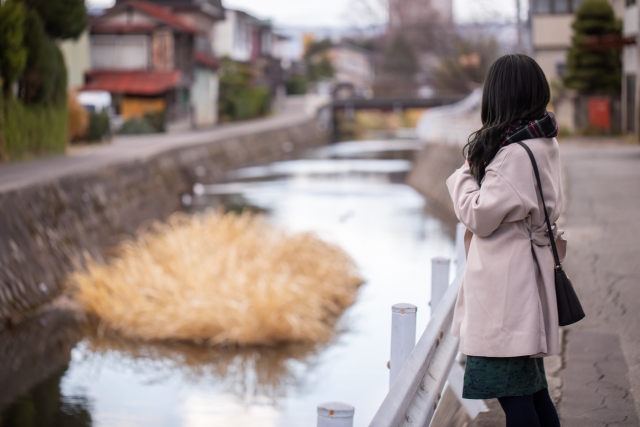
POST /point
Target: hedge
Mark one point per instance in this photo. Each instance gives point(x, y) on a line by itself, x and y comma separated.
point(29, 131)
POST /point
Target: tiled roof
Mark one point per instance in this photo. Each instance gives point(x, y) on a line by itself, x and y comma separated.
point(159, 13)
point(132, 82)
point(122, 28)
point(206, 60)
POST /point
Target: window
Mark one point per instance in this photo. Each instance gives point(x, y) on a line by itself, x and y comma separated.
point(578, 3)
point(631, 2)
point(542, 6)
point(558, 6)
point(561, 6)
point(561, 68)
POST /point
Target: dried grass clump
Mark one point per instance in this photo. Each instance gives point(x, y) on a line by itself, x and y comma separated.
point(78, 119)
point(220, 278)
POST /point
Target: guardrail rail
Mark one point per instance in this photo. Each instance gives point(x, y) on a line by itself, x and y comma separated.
point(427, 367)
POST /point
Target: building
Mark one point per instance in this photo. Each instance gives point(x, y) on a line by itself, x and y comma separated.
point(404, 13)
point(551, 34)
point(203, 15)
point(145, 55)
point(630, 67)
point(352, 69)
point(244, 38)
point(236, 37)
point(77, 59)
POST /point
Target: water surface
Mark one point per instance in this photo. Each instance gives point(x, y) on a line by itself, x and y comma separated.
point(352, 197)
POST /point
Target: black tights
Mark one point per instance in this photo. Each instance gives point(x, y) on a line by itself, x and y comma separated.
point(534, 410)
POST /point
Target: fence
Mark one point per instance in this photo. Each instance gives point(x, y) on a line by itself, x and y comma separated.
point(418, 373)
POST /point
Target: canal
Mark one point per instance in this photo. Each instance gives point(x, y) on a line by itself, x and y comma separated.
point(351, 194)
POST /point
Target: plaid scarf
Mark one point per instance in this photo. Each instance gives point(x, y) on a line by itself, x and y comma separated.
point(545, 127)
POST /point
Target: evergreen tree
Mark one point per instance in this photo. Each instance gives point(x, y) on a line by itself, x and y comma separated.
point(44, 79)
point(63, 19)
point(594, 70)
point(13, 55)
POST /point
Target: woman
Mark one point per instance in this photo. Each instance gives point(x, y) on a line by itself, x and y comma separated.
point(506, 313)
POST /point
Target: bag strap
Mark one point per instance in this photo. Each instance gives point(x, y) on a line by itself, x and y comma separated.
point(556, 258)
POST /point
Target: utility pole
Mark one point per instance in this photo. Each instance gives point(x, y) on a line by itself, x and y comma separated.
point(519, 26)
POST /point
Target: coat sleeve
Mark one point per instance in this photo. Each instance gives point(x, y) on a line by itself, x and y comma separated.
point(483, 209)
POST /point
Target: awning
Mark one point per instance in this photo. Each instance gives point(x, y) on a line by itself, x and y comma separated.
point(147, 83)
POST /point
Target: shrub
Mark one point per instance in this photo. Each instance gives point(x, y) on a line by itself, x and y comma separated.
point(249, 103)
point(99, 127)
point(78, 121)
point(136, 126)
point(238, 100)
point(157, 119)
point(30, 130)
point(297, 85)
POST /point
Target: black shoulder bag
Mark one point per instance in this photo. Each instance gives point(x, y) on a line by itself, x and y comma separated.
point(569, 308)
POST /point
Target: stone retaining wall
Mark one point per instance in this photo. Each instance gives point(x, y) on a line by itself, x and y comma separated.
point(47, 228)
point(431, 168)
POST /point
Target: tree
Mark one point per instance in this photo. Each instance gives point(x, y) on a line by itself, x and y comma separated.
point(396, 75)
point(400, 59)
point(63, 19)
point(13, 55)
point(317, 46)
point(466, 67)
point(594, 70)
point(319, 67)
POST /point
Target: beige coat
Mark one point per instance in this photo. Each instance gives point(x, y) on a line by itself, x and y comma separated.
point(507, 304)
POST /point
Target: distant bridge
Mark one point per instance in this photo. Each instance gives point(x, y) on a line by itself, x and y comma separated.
point(348, 107)
point(391, 104)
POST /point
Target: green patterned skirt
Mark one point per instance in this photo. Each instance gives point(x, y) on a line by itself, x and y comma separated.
point(493, 377)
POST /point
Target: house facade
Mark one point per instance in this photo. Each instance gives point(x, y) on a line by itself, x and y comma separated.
point(244, 38)
point(235, 36)
point(203, 15)
point(352, 70)
point(630, 68)
point(145, 55)
point(551, 34)
point(77, 59)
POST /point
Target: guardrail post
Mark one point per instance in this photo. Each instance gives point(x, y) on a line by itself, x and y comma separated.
point(403, 337)
point(335, 414)
point(460, 252)
point(439, 280)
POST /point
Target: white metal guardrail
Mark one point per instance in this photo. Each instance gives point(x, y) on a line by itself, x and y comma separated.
point(415, 389)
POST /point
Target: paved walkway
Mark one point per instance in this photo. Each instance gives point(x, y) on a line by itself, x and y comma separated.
point(601, 373)
point(123, 148)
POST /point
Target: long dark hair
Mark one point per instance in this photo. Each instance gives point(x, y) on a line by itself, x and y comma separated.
point(516, 89)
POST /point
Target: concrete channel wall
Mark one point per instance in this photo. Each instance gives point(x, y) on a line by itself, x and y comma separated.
point(47, 227)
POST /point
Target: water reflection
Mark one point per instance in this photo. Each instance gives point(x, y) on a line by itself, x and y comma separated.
point(45, 406)
point(249, 373)
point(33, 358)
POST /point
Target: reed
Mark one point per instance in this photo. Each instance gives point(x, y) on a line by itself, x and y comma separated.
point(218, 278)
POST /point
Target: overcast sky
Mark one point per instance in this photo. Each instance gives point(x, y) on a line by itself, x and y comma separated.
point(336, 13)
